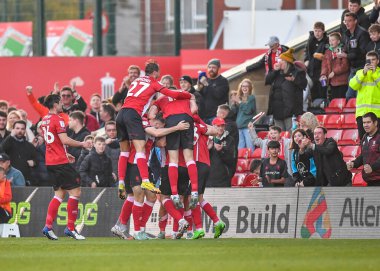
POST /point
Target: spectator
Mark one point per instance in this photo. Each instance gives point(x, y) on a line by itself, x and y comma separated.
point(366, 83)
point(69, 95)
point(303, 166)
point(374, 35)
point(271, 57)
point(186, 83)
point(13, 175)
point(273, 135)
point(22, 153)
point(354, 6)
point(4, 106)
point(315, 48)
point(12, 118)
point(5, 198)
point(286, 94)
point(40, 173)
point(356, 40)
point(222, 156)
point(96, 168)
point(369, 156)
point(335, 67)
point(308, 121)
point(85, 151)
point(374, 16)
point(112, 145)
point(29, 133)
point(244, 105)
point(331, 168)
point(133, 73)
point(95, 104)
point(216, 91)
point(167, 81)
point(3, 126)
point(254, 169)
point(273, 170)
point(91, 123)
point(76, 131)
point(107, 113)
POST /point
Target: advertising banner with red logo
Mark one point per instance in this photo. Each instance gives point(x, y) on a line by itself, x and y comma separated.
point(69, 38)
point(16, 39)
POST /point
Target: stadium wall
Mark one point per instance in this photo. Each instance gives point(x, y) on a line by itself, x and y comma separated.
point(248, 213)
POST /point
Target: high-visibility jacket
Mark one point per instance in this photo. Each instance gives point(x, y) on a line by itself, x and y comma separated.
point(5, 195)
point(368, 88)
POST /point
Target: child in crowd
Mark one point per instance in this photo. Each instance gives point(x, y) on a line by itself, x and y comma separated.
point(96, 168)
point(374, 34)
point(335, 67)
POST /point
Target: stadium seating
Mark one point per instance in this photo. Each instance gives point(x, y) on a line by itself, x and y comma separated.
point(349, 137)
point(350, 106)
point(256, 154)
point(248, 180)
point(336, 106)
point(262, 134)
point(238, 179)
point(286, 134)
point(244, 153)
point(349, 121)
point(350, 151)
point(242, 165)
point(357, 180)
point(333, 121)
point(336, 134)
point(321, 119)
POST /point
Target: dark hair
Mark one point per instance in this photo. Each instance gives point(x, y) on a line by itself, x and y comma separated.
point(3, 114)
point(319, 25)
point(100, 139)
point(110, 109)
point(276, 128)
point(66, 88)
point(255, 164)
point(160, 117)
point(151, 66)
point(224, 107)
point(19, 122)
point(78, 115)
point(323, 129)
point(370, 115)
point(374, 28)
point(273, 145)
point(372, 53)
point(352, 15)
point(51, 99)
point(4, 103)
point(359, 2)
point(294, 145)
point(12, 108)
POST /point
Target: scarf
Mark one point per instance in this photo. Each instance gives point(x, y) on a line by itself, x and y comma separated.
point(274, 59)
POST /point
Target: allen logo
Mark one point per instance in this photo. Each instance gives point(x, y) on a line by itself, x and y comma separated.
point(317, 218)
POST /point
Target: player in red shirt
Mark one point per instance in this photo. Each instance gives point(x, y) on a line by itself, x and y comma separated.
point(202, 156)
point(66, 179)
point(129, 122)
point(174, 111)
point(141, 210)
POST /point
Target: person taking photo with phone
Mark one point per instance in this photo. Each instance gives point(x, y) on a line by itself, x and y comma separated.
point(366, 83)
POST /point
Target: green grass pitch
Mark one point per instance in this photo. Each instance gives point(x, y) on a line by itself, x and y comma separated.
point(207, 254)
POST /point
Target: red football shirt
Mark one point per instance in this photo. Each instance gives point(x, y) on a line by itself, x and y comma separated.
point(201, 152)
point(169, 106)
point(51, 126)
point(142, 91)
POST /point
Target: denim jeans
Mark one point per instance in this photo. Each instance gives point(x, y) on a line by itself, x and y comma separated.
point(245, 140)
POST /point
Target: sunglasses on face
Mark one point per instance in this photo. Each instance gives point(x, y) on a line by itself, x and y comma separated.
point(66, 95)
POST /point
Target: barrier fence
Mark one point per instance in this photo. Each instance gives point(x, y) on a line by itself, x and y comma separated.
point(248, 213)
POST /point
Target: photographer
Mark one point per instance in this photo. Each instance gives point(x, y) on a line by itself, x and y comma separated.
point(366, 83)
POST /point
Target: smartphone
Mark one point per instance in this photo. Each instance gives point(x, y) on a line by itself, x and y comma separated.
point(368, 61)
point(216, 140)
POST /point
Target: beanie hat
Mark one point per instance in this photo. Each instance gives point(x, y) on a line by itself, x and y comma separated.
point(187, 79)
point(215, 62)
point(288, 56)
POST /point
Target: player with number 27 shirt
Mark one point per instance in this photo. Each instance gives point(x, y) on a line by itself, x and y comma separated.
point(65, 178)
point(129, 123)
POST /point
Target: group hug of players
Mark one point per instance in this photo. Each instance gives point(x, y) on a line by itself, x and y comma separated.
point(170, 123)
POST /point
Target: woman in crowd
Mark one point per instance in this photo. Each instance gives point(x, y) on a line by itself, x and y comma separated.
point(244, 106)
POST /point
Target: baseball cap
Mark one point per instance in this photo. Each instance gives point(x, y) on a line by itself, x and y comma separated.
point(272, 40)
point(4, 157)
point(218, 122)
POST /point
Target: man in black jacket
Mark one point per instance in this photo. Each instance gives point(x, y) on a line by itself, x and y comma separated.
point(3, 126)
point(222, 156)
point(22, 153)
point(69, 95)
point(331, 168)
point(316, 45)
point(355, 40)
point(271, 56)
point(354, 6)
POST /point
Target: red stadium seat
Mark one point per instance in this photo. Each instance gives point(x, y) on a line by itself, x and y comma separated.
point(238, 179)
point(248, 180)
point(321, 119)
point(262, 134)
point(350, 106)
point(256, 154)
point(244, 153)
point(349, 121)
point(336, 105)
point(349, 137)
point(350, 151)
point(286, 134)
point(242, 165)
point(333, 121)
point(336, 134)
point(357, 180)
